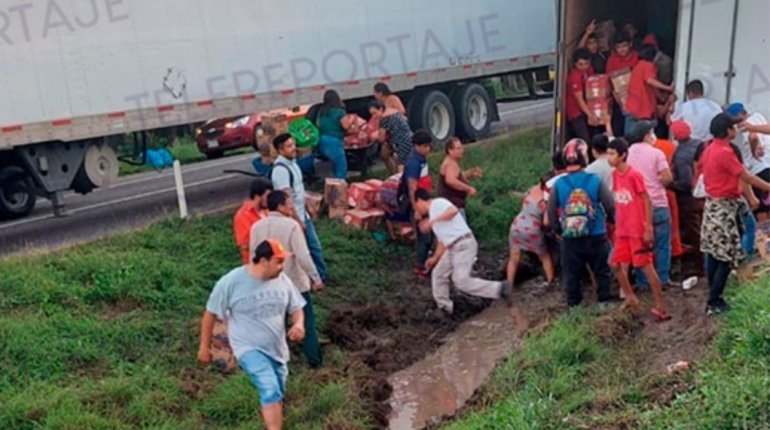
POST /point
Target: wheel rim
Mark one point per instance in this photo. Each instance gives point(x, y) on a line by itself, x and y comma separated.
point(440, 121)
point(13, 196)
point(478, 112)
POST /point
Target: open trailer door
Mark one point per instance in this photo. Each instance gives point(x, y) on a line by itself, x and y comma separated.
point(706, 45)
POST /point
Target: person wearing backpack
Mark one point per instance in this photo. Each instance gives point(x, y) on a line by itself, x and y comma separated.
point(287, 176)
point(579, 207)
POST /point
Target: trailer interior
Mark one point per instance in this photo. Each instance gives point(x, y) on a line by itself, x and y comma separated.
point(658, 17)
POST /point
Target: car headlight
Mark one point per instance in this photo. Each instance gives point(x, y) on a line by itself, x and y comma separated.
point(238, 123)
point(198, 132)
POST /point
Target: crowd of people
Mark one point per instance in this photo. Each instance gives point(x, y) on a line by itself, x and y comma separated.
point(623, 206)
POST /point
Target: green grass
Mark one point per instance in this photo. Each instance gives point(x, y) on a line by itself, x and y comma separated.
point(105, 335)
point(567, 378)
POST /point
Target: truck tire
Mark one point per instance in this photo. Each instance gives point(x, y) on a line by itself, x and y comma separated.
point(433, 111)
point(17, 193)
point(474, 111)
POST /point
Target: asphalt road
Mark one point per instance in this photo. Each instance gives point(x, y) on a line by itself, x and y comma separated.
point(139, 200)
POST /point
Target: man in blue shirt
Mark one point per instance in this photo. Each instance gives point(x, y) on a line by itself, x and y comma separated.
point(417, 176)
point(584, 233)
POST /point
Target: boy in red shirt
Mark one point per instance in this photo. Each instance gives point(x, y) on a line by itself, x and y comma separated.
point(634, 230)
point(575, 105)
point(253, 210)
point(642, 103)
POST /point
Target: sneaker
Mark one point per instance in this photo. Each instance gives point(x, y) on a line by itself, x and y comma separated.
point(506, 294)
point(717, 308)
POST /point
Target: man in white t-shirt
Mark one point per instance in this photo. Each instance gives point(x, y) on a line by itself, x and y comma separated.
point(455, 255)
point(698, 111)
point(752, 149)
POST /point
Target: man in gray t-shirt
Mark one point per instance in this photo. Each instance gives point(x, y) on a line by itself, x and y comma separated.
point(254, 301)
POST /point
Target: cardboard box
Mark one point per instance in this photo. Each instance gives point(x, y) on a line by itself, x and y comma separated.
point(599, 108)
point(336, 196)
point(375, 183)
point(620, 80)
point(389, 192)
point(364, 220)
point(361, 196)
point(272, 126)
point(598, 88)
point(315, 201)
point(221, 354)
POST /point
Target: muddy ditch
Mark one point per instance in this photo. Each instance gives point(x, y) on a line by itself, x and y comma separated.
point(387, 337)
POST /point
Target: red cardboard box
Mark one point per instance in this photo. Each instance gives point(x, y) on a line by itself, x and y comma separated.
point(598, 88)
point(336, 196)
point(364, 220)
point(599, 108)
point(361, 196)
point(375, 183)
point(389, 192)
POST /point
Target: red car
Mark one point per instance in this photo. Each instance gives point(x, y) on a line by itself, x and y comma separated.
point(216, 136)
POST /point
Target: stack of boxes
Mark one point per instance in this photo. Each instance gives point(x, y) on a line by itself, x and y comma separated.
point(272, 126)
point(598, 98)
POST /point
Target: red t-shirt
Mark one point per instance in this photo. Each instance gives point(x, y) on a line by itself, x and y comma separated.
point(628, 189)
point(721, 170)
point(616, 62)
point(243, 220)
point(642, 101)
point(576, 82)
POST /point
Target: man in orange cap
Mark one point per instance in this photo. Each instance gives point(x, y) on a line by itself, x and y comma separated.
point(254, 300)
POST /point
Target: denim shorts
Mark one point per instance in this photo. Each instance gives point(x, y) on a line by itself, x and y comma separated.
point(267, 375)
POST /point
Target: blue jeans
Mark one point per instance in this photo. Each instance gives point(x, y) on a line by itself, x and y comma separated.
point(267, 375)
point(630, 123)
point(661, 220)
point(749, 237)
point(314, 245)
point(333, 149)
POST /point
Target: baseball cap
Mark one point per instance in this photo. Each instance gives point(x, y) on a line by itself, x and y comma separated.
point(736, 109)
point(641, 129)
point(722, 123)
point(270, 248)
point(681, 130)
point(575, 153)
point(650, 40)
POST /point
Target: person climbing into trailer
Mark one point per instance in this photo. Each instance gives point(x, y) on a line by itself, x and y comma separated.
point(590, 41)
point(455, 255)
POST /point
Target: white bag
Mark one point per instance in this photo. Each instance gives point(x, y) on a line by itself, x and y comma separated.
point(699, 192)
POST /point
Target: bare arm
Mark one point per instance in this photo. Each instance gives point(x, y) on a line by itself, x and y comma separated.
point(207, 328)
point(755, 181)
point(648, 231)
point(297, 331)
point(653, 82)
point(666, 178)
point(582, 103)
point(412, 185)
point(590, 29)
point(761, 129)
point(434, 259)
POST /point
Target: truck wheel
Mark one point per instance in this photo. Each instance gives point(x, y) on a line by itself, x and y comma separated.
point(17, 193)
point(474, 111)
point(433, 111)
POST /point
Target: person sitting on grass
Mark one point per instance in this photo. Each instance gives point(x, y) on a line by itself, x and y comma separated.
point(634, 235)
point(455, 255)
point(254, 300)
point(526, 233)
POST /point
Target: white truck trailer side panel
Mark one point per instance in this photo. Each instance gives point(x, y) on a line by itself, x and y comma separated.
point(705, 54)
point(66, 59)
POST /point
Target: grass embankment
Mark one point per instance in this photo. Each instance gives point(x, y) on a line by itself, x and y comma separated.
point(104, 336)
point(572, 376)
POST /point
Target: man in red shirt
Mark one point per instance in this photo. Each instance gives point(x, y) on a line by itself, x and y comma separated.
point(642, 103)
point(252, 211)
point(634, 235)
point(575, 106)
point(623, 57)
point(721, 236)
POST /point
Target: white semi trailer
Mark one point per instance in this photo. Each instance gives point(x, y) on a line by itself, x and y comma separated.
point(724, 43)
point(78, 75)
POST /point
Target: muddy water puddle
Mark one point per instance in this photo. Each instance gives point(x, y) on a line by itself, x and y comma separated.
point(443, 382)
